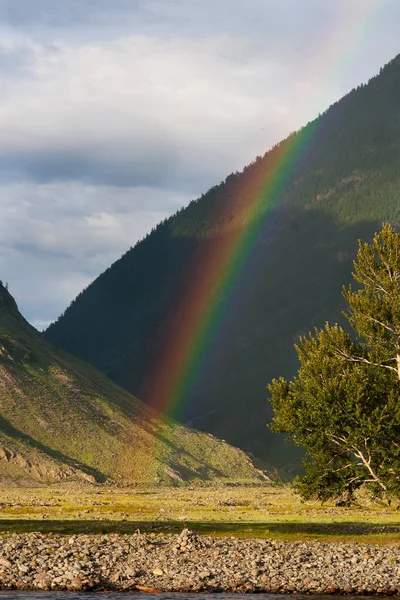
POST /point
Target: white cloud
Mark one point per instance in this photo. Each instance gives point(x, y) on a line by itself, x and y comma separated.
point(141, 111)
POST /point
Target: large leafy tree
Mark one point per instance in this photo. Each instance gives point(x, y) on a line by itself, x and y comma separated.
point(344, 404)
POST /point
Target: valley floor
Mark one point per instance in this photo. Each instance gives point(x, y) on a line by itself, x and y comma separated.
point(214, 538)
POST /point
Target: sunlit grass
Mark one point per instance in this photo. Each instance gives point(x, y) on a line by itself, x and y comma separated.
point(265, 511)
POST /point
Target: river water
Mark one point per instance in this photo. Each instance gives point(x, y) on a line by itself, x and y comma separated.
point(165, 596)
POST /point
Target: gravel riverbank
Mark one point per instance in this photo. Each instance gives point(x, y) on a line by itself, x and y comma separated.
point(189, 562)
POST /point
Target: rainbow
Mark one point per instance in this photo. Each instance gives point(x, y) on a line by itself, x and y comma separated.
point(202, 308)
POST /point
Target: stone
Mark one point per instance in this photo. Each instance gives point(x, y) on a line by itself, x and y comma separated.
point(68, 574)
point(76, 583)
point(128, 563)
point(4, 562)
point(23, 569)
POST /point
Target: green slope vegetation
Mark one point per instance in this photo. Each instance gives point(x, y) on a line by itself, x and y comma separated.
point(60, 419)
point(342, 180)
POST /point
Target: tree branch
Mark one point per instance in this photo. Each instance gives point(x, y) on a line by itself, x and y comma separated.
point(374, 283)
point(343, 443)
point(387, 327)
point(361, 359)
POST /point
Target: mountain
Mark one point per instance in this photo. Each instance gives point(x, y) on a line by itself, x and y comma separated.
point(60, 419)
point(241, 272)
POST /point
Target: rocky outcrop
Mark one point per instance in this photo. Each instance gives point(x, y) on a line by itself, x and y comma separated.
point(38, 467)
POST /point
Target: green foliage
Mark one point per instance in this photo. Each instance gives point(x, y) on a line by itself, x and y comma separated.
point(375, 308)
point(343, 406)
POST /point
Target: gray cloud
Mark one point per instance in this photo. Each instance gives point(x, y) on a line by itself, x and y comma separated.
point(56, 238)
point(125, 166)
point(53, 13)
point(274, 20)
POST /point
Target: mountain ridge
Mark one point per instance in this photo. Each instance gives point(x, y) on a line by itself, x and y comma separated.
point(342, 181)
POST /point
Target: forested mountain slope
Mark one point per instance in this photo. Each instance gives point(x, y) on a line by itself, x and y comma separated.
point(311, 197)
point(60, 419)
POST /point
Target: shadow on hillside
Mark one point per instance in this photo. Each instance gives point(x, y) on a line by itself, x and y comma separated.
point(10, 430)
point(129, 321)
point(290, 284)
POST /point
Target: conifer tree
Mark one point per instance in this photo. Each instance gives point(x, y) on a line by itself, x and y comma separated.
point(344, 404)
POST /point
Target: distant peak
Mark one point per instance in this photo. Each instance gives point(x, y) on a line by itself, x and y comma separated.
point(6, 300)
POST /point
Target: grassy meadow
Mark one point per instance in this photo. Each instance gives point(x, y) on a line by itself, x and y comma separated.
point(266, 511)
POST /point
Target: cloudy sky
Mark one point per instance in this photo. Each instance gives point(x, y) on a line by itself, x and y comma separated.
point(115, 113)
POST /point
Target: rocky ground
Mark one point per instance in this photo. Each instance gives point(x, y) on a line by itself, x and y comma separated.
point(188, 562)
